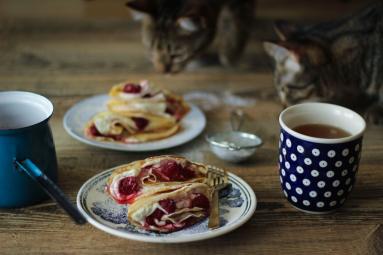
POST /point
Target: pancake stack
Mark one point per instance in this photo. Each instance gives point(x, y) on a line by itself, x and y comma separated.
point(138, 113)
point(163, 193)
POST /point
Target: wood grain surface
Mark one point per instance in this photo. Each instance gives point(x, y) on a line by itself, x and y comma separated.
point(69, 61)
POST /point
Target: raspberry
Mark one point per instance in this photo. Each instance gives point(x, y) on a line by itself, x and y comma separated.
point(132, 88)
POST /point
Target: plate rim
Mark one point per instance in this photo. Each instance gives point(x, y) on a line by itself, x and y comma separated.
point(110, 146)
point(183, 239)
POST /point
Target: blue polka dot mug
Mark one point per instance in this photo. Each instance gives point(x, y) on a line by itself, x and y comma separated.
point(317, 174)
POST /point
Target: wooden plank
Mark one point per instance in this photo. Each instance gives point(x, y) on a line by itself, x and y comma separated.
point(68, 64)
point(80, 10)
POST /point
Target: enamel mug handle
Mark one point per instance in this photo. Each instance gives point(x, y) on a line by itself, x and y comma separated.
point(51, 189)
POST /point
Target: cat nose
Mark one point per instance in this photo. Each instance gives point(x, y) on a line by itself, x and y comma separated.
point(163, 67)
point(168, 68)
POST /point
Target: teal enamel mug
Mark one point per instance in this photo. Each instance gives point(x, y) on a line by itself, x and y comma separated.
point(24, 135)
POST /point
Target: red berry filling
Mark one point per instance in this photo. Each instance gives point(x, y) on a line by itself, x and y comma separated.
point(141, 123)
point(132, 88)
point(94, 132)
point(200, 200)
point(169, 205)
point(170, 170)
point(128, 185)
point(169, 111)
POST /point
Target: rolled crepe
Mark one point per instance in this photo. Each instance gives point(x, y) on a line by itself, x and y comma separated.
point(146, 98)
point(172, 209)
point(145, 177)
point(130, 127)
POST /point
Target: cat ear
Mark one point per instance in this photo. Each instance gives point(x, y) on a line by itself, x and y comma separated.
point(190, 24)
point(293, 54)
point(285, 29)
point(280, 53)
point(277, 51)
point(144, 6)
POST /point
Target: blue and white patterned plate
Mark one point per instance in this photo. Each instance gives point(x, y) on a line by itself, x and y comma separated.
point(76, 118)
point(237, 205)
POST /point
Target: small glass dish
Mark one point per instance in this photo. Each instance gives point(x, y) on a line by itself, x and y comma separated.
point(234, 146)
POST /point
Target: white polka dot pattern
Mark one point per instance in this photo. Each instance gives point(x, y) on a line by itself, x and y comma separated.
point(300, 169)
point(313, 193)
point(322, 163)
point(338, 163)
point(299, 191)
point(315, 152)
point(314, 173)
point(306, 182)
point(287, 164)
point(317, 177)
point(331, 154)
point(321, 184)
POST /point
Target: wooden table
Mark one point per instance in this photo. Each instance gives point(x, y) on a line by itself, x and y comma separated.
point(69, 62)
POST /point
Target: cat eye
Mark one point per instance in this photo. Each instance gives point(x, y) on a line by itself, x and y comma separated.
point(189, 25)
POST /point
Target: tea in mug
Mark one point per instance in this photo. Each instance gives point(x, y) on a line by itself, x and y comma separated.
point(321, 131)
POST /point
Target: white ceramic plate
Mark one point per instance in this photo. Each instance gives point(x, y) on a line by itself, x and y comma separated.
point(76, 118)
point(237, 205)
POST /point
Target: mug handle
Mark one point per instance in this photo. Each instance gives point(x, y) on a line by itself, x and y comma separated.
point(51, 189)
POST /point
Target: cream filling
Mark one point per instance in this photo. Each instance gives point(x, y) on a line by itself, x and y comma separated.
point(156, 108)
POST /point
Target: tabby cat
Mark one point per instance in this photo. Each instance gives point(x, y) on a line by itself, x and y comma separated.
point(339, 62)
point(176, 31)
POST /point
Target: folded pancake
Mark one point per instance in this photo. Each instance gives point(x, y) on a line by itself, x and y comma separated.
point(146, 98)
point(130, 128)
point(173, 209)
point(145, 177)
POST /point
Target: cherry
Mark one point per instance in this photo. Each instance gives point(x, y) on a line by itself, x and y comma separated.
point(157, 214)
point(169, 205)
point(141, 123)
point(170, 170)
point(200, 200)
point(128, 185)
point(132, 88)
point(93, 130)
point(169, 111)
